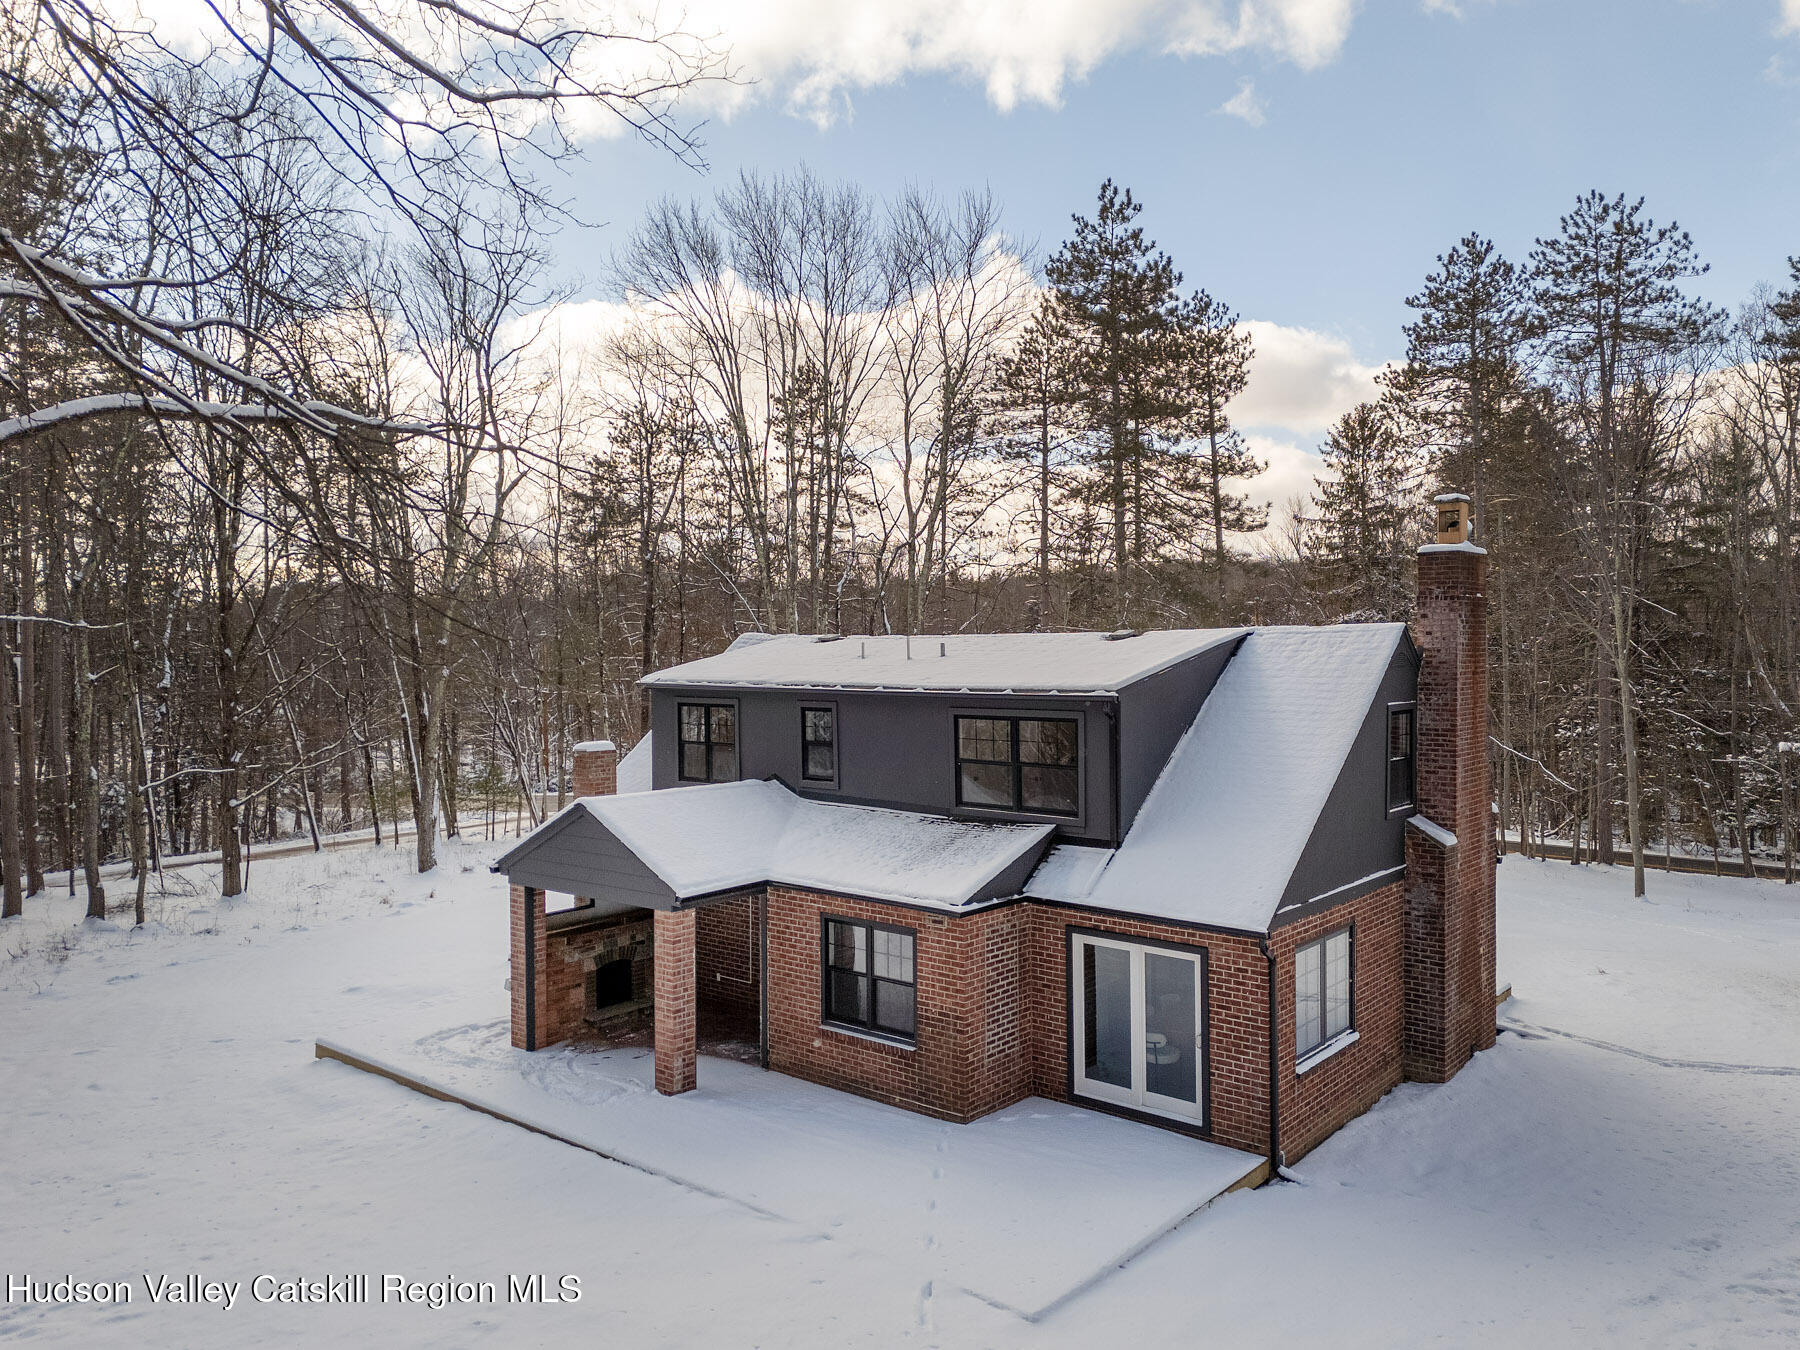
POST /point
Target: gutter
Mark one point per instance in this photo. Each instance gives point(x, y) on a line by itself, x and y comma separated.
point(1276, 1161)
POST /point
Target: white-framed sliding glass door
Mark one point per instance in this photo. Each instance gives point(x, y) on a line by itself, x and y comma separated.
point(1138, 1025)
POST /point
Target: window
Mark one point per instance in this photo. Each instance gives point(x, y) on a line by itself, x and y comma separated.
point(818, 745)
point(1019, 764)
point(708, 743)
point(1321, 992)
point(1401, 757)
point(869, 978)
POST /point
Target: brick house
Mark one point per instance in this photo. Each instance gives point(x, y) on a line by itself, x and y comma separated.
point(1237, 882)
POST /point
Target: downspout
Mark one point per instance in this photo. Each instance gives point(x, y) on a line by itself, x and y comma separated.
point(1275, 1159)
point(762, 981)
point(1112, 727)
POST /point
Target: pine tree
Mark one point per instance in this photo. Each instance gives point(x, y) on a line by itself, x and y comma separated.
point(1118, 291)
point(1212, 368)
point(1365, 506)
point(1461, 359)
point(1034, 422)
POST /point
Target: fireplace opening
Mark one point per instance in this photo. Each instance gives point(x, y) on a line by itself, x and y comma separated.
point(612, 983)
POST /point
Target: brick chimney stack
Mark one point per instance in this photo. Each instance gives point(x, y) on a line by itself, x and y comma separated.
point(1449, 843)
point(595, 772)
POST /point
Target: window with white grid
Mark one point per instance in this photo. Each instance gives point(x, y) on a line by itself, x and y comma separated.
point(1322, 992)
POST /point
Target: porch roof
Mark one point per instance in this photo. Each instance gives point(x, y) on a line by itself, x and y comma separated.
point(697, 841)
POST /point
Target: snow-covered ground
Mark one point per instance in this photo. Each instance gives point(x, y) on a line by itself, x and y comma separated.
point(1624, 1170)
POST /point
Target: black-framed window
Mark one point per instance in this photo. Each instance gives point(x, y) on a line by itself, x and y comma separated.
point(1323, 985)
point(1019, 764)
point(870, 979)
point(1402, 757)
point(708, 750)
point(818, 744)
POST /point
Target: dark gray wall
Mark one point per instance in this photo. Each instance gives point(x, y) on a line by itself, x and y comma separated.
point(896, 750)
point(1153, 715)
point(579, 856)
point(1356, 834)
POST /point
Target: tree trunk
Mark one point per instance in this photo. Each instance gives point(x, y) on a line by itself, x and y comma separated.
point(1604, 715)
point(87, 778)
point(1634, 804)
point(28, 748)
point(11, 855)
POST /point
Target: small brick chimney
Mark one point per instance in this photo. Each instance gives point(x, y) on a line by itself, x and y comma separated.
point(595, 772)
point(1449, 843)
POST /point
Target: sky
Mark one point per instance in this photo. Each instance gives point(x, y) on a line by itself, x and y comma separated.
point(1304, 160)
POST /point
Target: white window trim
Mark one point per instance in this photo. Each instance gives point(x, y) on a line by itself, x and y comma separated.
point(1324, 1051)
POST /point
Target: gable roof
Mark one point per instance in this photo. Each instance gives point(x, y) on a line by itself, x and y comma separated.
point(1224, 826)
point(1065, 663)
point(715, 837)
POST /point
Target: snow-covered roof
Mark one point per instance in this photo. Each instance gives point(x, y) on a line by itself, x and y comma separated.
point(1223, 828)
point(1076, 663)
point(726, 836)
point(634, 768)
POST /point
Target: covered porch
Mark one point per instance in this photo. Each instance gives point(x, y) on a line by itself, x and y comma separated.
point(647, 914)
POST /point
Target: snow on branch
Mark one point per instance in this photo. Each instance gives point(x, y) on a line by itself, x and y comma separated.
point(100, 405)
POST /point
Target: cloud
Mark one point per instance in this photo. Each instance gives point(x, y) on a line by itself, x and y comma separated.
point(1310, 33)
point(1788, 21)
point(813, 55)
point(1245, 105)
point(1301, 381)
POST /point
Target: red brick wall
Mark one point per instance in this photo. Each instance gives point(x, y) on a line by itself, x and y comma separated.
point(726, 952)
point(1335, 1090)
point(1237, 1014)
point(1450, 896)
point(968, 1057)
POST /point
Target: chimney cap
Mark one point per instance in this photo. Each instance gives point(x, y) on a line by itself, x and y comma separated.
point(593, 747)
point(1453, 523)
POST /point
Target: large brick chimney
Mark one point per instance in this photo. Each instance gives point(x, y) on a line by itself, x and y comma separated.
point(1449, 844)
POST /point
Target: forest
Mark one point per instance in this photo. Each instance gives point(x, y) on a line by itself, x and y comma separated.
point(323, 507)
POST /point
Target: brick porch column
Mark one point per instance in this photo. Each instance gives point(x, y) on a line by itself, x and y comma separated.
point(530, 1000)
point(675, 994)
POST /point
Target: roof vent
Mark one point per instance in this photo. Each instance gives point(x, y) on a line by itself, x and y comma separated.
point(829, 637)
point(1120, 634)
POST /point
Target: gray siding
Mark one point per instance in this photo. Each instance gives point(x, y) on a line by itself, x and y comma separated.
point(580, 856)
point(1356, 835)
point(894, 749)
point(1154, 713)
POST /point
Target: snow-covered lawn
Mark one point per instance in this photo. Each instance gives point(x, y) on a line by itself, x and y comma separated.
point(1625, 1172)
